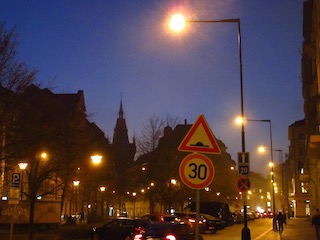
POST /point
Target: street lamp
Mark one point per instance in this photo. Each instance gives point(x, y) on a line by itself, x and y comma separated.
point(271, 152)
point(262, 149)
point(76, 185)
point(22, 166)
point(134, 194)
point(177, 23)
point(96, 160)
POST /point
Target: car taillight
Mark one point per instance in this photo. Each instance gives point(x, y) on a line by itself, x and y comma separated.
point(137, 237)
point(192, 220)
point(139, 230)
point(170, 237)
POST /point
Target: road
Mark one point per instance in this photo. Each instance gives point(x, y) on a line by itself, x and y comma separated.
point(257, 227)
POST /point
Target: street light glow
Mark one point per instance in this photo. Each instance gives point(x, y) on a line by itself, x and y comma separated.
point(177, 22)
point(262, 149)
point(239, 120)
point(96, 159)
point(23, 166)
point(76, 183)
point(44, 155)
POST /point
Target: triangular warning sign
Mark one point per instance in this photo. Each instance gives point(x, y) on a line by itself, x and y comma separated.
point(200, 139)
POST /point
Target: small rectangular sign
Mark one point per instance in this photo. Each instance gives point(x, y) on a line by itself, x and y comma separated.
point(15, 180)
point(243, 157)
point(244, 169)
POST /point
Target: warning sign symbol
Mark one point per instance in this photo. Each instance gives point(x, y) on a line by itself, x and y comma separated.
point(200, 139)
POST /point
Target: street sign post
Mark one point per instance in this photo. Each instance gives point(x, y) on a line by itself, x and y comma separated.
point(196, 170)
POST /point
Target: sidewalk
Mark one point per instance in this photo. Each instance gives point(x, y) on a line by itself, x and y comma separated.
point(296, 229)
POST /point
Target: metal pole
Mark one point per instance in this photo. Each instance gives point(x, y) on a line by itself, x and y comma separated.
point(197, 213)
point(274, 225)
point(245, 231)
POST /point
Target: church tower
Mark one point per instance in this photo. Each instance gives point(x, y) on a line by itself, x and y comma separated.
point(124, 152)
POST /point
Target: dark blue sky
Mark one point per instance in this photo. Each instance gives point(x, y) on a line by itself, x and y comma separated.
point(109, 48)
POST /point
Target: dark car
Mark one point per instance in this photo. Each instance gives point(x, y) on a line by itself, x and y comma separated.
point(238, 217)
point(167, 230)
point(217, 209)
point(190, 218)
point(212, 223)
point(120, 229)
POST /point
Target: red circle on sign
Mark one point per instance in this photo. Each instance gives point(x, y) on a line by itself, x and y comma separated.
point(243, 184)
point(196, 171)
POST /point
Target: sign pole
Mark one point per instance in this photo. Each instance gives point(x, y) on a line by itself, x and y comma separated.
point(197, 213)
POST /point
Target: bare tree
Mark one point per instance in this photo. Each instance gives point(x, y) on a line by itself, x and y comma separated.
point(152, 132)
point(14, 76)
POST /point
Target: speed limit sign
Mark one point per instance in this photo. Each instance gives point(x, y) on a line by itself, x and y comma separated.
point(196, 171)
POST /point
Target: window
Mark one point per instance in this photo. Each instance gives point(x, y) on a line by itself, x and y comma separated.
point(304, 187)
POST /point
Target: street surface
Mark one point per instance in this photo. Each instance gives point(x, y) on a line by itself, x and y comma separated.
point(261, 229)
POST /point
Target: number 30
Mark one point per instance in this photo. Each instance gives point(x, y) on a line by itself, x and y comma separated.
point(198, 171)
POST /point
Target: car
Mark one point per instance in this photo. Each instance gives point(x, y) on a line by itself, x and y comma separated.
point(190, 217)
point(238, 217)
point(212, 223)
point(251, 216)
point(167, 230)
point(170, 218)
point(153, 217)
point(120, 229)
point(267, 215)
point(217, 209)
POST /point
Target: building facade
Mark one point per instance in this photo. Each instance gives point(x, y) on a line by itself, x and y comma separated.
point(306, 168)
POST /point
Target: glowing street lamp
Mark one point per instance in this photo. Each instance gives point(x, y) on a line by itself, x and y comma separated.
point(96, 160)
point(22, 166)
point(177, 24)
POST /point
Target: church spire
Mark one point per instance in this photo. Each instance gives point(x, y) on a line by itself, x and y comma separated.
point(121, 110)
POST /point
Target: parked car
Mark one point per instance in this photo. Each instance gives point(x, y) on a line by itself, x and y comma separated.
point(251, 216)
point(153, 217)
point(217, 209)
point(257, 214)
point(212, 223)
point(120, 229)
point(238, 217)
point(190, 217)
point(267, 215)
point(170, 218)
point(167, 230)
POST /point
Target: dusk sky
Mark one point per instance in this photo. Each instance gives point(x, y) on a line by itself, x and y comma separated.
point(125, 48)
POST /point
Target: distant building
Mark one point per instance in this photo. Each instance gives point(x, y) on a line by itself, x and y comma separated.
point(299, 196)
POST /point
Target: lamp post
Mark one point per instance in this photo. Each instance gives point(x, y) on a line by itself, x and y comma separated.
point(262, 149)
point(134, 194)
point(102, 190)
point(96, 160)
point(76, 185)
point(22, 166)
point(272, 173)
point(177, 23)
